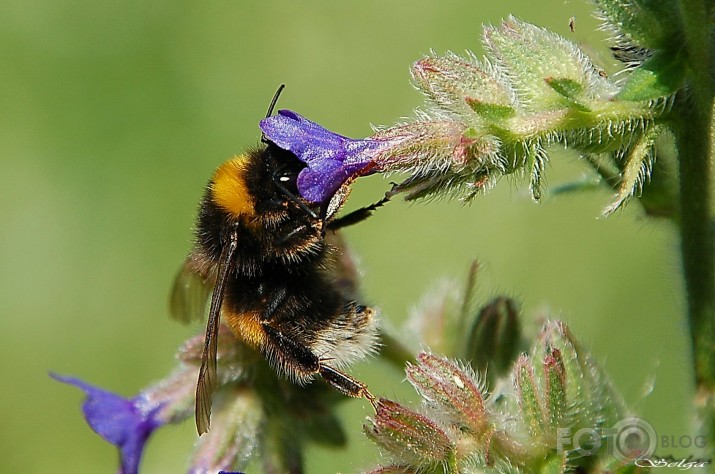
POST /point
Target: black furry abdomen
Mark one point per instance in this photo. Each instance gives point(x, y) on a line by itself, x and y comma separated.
point(297, 305)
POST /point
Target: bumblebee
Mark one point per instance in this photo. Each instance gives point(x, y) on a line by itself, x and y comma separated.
point(263, 249)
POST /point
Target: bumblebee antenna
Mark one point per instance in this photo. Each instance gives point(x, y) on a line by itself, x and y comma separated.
point(270, 109)
point(276, 180)
point(275, 99)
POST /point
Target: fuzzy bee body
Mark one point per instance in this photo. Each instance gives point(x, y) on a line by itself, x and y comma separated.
point(265, 252)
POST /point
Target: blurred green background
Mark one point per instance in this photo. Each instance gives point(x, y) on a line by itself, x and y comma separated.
point(114, 114)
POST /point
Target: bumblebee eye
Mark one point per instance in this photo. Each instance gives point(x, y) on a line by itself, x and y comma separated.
point(287, 180)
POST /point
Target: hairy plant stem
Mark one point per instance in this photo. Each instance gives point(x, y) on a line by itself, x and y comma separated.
point(696, 236)
point(694, 111)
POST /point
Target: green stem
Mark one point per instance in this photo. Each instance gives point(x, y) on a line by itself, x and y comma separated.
point(695, 157)
point(394, 352)
point(282, 449)
point(697, 241)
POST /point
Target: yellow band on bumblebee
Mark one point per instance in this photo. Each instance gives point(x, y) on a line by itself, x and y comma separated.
point(229, 189)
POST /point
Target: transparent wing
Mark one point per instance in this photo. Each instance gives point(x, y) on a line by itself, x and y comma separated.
point(207, 382)
point(190, 293)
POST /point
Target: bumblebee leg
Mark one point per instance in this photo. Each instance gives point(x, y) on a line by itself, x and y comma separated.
point(298, 361)
point(358, 215)
point(345, 384)
point(293, 358)
point(282, 239)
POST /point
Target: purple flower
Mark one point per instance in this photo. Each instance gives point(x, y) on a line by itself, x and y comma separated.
point(332, 159)
point(120, 421)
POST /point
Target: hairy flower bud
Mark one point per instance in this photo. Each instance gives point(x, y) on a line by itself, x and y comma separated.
point(540, 63)
point(455, 83)
point(410, 436)
point(587, 392)
point(494, 339)
point(527, 394)
point(452, 391)
point(554, 389)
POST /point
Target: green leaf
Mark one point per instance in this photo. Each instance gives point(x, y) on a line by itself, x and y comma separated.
point(537, 160)
point(583, 185)
point(636, 168)
point(490, 111)
point(660, 76)
point(570, 89)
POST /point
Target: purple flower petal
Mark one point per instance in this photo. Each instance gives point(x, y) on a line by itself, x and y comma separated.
point(331, 159)
point(118, 420)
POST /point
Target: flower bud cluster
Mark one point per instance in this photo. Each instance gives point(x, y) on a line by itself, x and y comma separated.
point(462, 427)
point(498, 116)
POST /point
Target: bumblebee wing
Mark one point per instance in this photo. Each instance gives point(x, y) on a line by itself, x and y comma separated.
point(190, 293)
point(207, 382)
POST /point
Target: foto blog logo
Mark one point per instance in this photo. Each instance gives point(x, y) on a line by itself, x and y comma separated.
point(628, 440)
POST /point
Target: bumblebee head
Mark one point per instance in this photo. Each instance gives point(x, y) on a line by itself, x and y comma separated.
point(258, 181)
